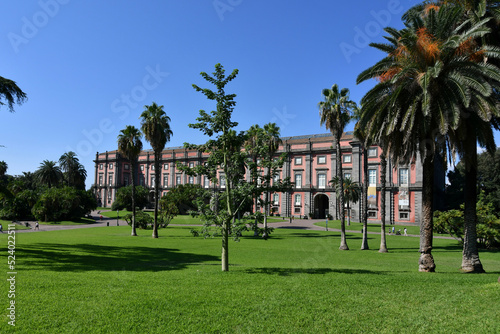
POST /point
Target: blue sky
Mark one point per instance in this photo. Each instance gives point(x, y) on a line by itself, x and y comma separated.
point(89, 67)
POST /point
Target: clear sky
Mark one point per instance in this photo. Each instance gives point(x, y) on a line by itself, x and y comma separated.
point(89, 67)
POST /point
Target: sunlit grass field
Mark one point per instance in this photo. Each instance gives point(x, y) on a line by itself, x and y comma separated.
point(102, 280)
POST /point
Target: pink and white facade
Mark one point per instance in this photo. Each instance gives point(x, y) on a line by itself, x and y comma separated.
point(311, 164)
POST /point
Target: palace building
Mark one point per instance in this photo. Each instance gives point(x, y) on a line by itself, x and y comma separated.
point(311, 163)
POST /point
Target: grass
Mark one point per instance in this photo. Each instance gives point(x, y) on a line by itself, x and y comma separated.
point(102, 280)
point(5, 225)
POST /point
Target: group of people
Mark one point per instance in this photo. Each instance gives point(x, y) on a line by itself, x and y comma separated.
point(37, 226)
point(398, 232)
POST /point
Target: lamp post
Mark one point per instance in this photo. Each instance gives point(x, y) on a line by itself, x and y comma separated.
point(117, 217)
point(326, 216)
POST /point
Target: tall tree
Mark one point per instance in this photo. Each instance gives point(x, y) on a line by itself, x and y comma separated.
point(428, 79)
point(73, 171)
point(10, 92)
point(130, 145)
point(225, 154)
point(155, 125)
point(335, 113)
point(271, 143)
point(484, 17)
point(49, 173)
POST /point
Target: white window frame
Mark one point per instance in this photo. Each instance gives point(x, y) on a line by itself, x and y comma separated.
point(276, 199)
point(348, 176)
point(321, 185)
point(298, 161)
point(347, 158)
point(297, 200)
point(372, 152)
point(298, 177)
point(206, 182)
point(222, 181)
point(407, 176)
point(401, 213)
point(165, 166)
point(191, 180)
point(322, 160)
point(372, 177)
point(165, 180)
point(178, 179)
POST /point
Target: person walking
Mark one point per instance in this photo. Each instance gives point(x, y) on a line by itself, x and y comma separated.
point(405, 232)
point(37, 227)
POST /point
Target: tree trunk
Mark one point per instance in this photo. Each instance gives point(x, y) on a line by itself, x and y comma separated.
point(470, 254)
point(343, 241)
point(225, 245)
point(132, 179)
point(426, 261)
point(364, 201)
point(383, 177)
point(156, 188)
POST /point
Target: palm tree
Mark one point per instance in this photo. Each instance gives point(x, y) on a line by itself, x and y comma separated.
point(430, 76)
point(49, 173)
point(352, 194)
point(335, 113)
point(474, 13)
point(74, 171)
point(155, 125)
point(253, 146)
point(361, 135)
point(130, 145)
point(272, 142)
point(11, 92)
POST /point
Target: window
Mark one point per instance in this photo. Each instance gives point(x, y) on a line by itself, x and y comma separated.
point(298, 160)
point(372, 152)
point(152, 167)
point(191, 180)
point(372, 214)
point(298, 180)
point(165, 180)
point(142, 167)
point(110, 180)
point(276, 199)
point(322, 159)
point(403, 176)
point(206, 182)
point(141, 180)
point(276, 178)
point(404, 215)
point(223, 181)
point(110, 166)
point(100, 166)
point(347, 158)
point(191, 164)
point(165, 166)
point(125, 180)
point(372, 177)
point(347, 175)
point(153, 184)
point(298, 200)
point(321, 181)
point(100, 179)
point(297, 210)
point(126, 166)
point(177, 180)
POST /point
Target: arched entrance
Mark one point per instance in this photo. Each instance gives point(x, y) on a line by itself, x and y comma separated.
point(320, 206)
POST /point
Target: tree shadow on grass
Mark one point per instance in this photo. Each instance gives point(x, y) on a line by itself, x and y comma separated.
point(86, 257)
point(310, 271)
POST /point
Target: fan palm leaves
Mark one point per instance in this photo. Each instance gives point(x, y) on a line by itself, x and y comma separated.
point(74, 172)
point(130, 145)
point(155, 125)
point(335, 114)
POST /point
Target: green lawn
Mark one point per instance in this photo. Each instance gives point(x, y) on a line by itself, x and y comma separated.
point(5, 225)
point(102, 280)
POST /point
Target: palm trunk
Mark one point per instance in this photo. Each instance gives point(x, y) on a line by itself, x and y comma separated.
point(348, 213)
point(470, 254)
point(132, 179)
point(364, 201)
point(383, 177)
point(157, 186)
point(343, 241)
point(426, 261)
